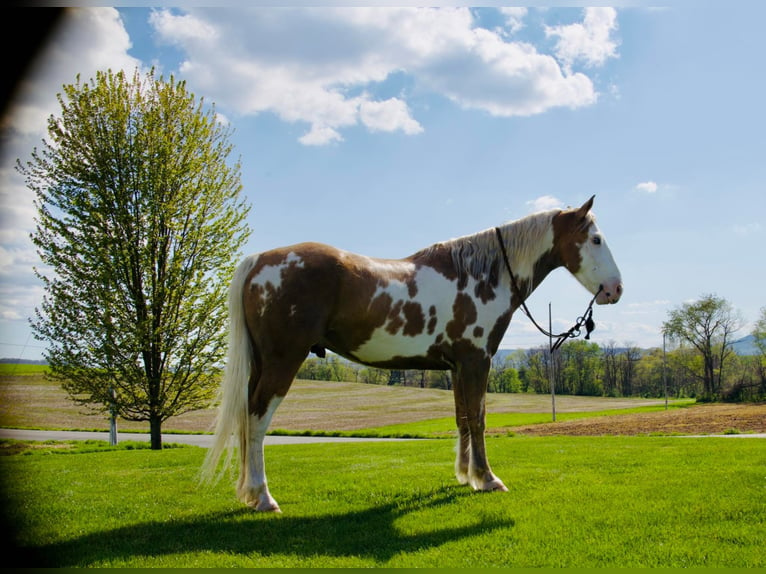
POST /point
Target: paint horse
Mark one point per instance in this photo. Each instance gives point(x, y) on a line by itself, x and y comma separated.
point(444, 308)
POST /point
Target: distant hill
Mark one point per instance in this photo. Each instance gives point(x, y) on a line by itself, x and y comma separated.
point(745, 346)
point(6, 361)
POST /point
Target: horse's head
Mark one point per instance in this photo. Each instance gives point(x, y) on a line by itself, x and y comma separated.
point(583, 251)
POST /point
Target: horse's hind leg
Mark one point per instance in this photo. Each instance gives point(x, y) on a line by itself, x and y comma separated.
point(253, 488)
point(267, 389)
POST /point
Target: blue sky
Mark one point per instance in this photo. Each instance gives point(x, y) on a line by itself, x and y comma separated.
point(382, 131)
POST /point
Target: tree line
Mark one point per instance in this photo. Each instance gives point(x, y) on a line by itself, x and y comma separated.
point(697, 363)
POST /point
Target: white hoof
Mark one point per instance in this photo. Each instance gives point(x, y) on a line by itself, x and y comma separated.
point(488, 484)
point(266, 504)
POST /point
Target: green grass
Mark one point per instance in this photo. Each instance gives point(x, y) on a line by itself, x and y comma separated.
point(577, 502)
point(503, 423)
point(21, 369)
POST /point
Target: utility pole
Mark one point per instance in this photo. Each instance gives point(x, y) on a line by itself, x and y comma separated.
point(664, 372)
point(551, 363)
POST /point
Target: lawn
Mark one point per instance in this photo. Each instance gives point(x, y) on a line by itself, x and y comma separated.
point(575, 502)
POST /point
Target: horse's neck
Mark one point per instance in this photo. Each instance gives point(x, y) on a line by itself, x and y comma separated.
point(529, 245)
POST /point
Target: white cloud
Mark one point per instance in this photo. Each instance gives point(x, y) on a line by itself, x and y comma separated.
point(647, 187)
point(590, 41)
point(544, 203)
point(514, 18)
point(748, 229)
point(309, 65)
point(320, 135)
point(388, 116)
point(87, 40)
point(645, 307)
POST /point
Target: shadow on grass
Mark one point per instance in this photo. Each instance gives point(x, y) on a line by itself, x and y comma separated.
point(369, 533)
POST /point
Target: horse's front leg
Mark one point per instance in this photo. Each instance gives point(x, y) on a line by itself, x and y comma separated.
point(472, 466)
point(462, 459)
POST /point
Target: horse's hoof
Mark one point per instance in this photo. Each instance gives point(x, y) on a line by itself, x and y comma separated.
point(264, 503)
point(494, 485)
point(497, 486)
point(268, 508)
point(267, 505)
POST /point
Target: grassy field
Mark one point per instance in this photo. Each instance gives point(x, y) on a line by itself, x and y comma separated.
point(574, 502)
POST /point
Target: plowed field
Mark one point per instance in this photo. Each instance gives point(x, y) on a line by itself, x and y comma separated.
point(695, 420)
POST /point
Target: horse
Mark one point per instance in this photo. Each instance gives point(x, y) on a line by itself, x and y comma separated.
point(446, 307)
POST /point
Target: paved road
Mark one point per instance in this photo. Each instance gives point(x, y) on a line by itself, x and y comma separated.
point(203, 440)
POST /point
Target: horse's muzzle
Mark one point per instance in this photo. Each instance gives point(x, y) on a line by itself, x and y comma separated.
point(611, 291)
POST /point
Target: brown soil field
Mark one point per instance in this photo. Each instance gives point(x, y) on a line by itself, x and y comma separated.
point(32, 401)
point(702, 419)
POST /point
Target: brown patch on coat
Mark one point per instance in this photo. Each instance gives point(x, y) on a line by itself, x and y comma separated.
point(439, 258)
point(463, 314)
point(395, 322)
point(497, 332)
point(415, 319)
point(432, 321)
point(570, 231)
point(412, 287)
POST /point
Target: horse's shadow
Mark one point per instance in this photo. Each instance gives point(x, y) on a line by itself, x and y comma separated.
point(369, 533)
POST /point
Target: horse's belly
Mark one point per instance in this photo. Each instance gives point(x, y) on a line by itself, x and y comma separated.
point(383, 347)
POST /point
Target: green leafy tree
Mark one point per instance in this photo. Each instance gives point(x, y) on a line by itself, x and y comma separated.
point(759, 333)
point(139, 227)
point(707, 325)
point(580, 371)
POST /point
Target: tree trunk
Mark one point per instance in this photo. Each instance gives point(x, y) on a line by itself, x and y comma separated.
point(155, 432)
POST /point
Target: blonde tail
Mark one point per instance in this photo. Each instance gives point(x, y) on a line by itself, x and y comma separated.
point(233, 417)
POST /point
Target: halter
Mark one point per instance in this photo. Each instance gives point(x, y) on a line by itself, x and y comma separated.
point(585, 320)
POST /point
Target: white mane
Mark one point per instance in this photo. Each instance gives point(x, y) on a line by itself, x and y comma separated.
point(526, 240)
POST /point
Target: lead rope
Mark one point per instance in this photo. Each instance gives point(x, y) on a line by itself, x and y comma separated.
point(585, 320)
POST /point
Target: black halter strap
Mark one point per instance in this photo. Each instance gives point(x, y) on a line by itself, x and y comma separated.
point(585, 320)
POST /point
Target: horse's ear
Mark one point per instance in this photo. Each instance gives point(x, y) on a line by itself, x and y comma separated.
point(583, 211)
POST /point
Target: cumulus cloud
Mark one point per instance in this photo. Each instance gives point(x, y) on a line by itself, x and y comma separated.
point(590, 41)
point(647, 187)
point(514, 18)
point(311, 65)
point(544, 203)
point(86, 41)
point(388, 116)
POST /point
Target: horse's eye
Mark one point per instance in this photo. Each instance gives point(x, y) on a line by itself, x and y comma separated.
point(596, 240)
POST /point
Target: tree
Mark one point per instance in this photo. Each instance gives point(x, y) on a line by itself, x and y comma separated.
point(627, 369)
point(610, 361)
point(139, 226)
point(503, 377)
point(580, 365)
point(759, 333)
point(707, 325)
